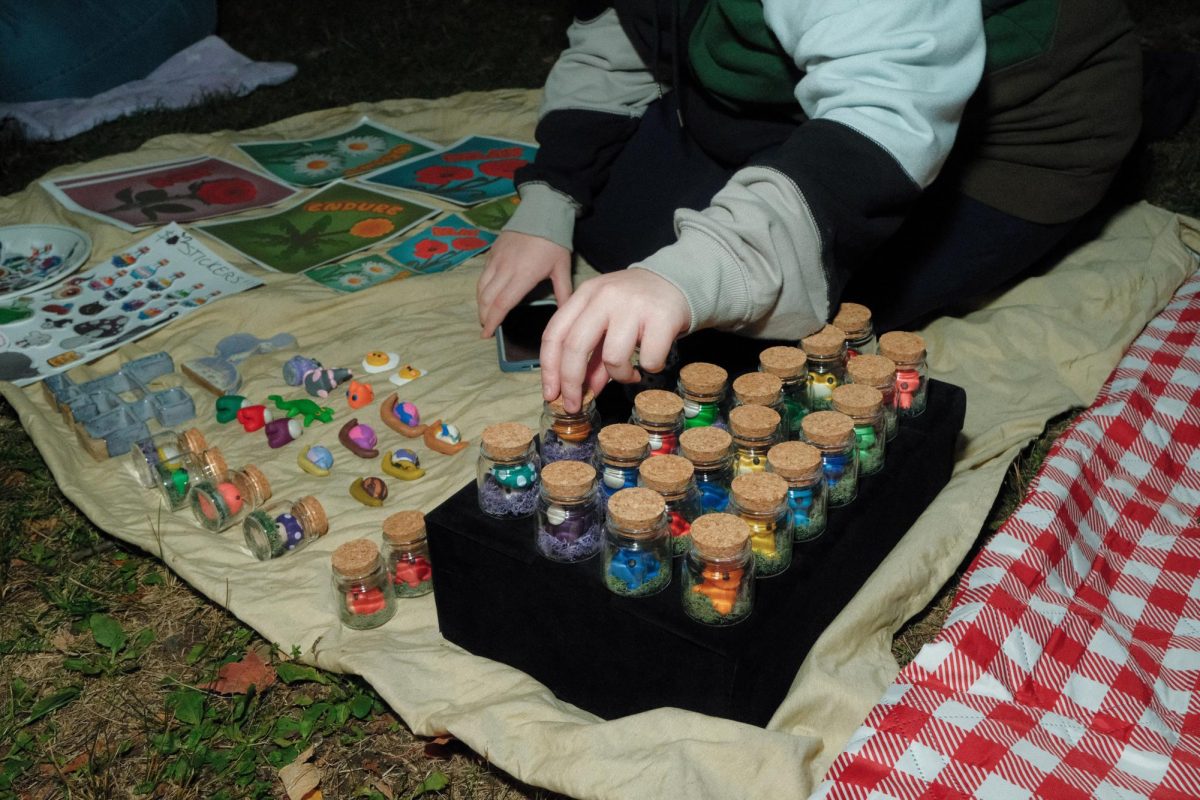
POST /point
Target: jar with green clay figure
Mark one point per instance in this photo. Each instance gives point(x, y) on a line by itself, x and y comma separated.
point(177, 478)
point(702, 387)
point(878, 372)
point(864, 406)
point(164, 447)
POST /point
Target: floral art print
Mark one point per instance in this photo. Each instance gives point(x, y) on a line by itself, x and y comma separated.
point(444, 244)
point(471, 171)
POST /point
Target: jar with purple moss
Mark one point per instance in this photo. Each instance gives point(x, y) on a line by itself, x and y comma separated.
point(507, 473)
point(570, 517)
point(567, 436)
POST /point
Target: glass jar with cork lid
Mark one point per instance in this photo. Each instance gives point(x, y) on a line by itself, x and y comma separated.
point(825, 351)
point(710, 450)
point(702, 387)
point(506, 478)
point(760, 498)
point(660, 414)
point(907, 350)
point(406, 554)
point(854, 320)
point(790, 365)
point(568, 436)
point(762, 389)
point(284, 526)
point(570, 517)
point(178, 477)
point(637, 550)
point(755, 429)
point(220, 504)
point(864, 405)
point(718, 574)
point(621, 448)
point(878, 372)
point(832, 432)
point(164, 447)
point(362, 586)
point(799, 463)
point(674, 478)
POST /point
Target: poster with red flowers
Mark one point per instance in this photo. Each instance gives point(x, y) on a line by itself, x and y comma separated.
point(472, 170)
point(339, 220)
point(444, 244)
point(171, 191)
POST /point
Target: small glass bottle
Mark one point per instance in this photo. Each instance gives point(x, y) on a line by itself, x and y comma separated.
point(864, 405)
point(164, 447)
point(621, 448)
point(220, 504)
point(674, 478)
point(362, 587)
point(755, 429)
point(570, 515)
point(178, 478)
point(760, 498)
point(799, 463)
point(718, 577)
point(908, 351)
point(406, 553)
point(826, 354)
point(507, 471)
point(710, 450)
point(565, 436)
point(854, 320)
point(878, 372)
point(790, 365)
point(762, 389)
point(660, 414)
point(702, 387)
point(832, 432)
point(637, 549)
point(283, 527)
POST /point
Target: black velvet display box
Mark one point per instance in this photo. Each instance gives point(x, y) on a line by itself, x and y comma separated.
point(497, 597)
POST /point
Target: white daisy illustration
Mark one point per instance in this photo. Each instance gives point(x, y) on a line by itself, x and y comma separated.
point(376, 268)
point(361, 146)
point(316, 164)
point(353, 281)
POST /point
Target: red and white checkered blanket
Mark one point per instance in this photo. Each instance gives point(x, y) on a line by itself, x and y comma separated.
point(1070, 665)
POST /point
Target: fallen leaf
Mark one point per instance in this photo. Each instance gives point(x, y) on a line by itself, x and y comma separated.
point(238, 676)
point(75, 763)
point(382, 788)
point(63, 641)
point(372, 765)
point(440, 747)
point(300, 778)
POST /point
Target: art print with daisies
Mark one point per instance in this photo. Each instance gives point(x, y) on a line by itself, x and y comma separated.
point(364, 147)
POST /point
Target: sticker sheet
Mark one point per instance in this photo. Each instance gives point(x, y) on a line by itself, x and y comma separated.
point(441, 246)
point(338, 220)
point(358, 274)
point(473, 170)
point(124, 297)
point(361, 148)
point(171, 191)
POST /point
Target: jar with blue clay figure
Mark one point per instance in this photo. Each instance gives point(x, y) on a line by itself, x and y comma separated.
point(800, 465)
point(570, 516)
point(755, 429)
point(718, 573)
point(825, 352)
point(507, 473)
point(660, 414)
point(674, 478)
point(762, 389)
point(854, 320)
point(864, 405)
point(710, 450)
point(566, 436)
point(621, 448)
point(637, 548)
point(177, 478)
point(832, 432)
point(165, 447)
point(702, 387)
point(790, 365)
point(878, 372)
point(761, 499)
point(907, 350)
point(284, 526)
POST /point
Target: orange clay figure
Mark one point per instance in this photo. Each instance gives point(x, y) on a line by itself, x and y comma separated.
point(720, 587)
point(572, 430)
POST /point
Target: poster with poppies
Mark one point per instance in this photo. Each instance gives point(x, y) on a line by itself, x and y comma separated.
point(473, 170)
point(168, 191)
point(358, 274)
point(441, 246)
point(363, 147)
point(338, 220)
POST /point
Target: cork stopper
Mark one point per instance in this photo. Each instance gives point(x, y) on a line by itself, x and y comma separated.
point(506, 440)
point(703, 379)
point(828, 428)
point(568, 479)
point(872, 370)
point(753, 422)
point(720, 536)
point(902, 347)
point(312, 515)
point(757, 388)
point(829, 341)
point(786, 362)
point(556, 405)
point(404, 528)
point(853, 319)
point(794, 461)
point(705, 444)
point(666, 474)
point(658, 405)
point(355, 558)
point(637, 509)
point(251, 483)
point(857, 400)
point(622, 440)
point(759, 491)
point(193, 440)
point(212, 462)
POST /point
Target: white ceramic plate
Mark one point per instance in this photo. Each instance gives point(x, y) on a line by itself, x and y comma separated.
point(33, 257)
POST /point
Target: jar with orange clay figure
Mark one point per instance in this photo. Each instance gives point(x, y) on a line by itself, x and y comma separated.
point(718, 573)
point(218, 505)
point(564, 436)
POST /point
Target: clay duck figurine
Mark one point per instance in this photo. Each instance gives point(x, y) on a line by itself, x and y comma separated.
point(401, 416)
point(444, 438)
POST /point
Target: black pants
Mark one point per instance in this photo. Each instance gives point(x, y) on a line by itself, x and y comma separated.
point(950, 249)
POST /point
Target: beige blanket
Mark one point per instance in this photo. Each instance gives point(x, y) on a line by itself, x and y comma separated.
point(1032, 352)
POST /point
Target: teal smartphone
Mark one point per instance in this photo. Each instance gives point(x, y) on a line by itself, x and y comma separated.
point(519, 337)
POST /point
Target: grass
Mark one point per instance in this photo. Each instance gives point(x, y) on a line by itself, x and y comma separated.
point(104, 654)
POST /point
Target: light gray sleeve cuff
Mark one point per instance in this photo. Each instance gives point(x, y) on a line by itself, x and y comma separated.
point(544, 212)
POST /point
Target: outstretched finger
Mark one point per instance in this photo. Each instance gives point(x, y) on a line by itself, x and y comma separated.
point(585, 338)
point(552, 343)
point(619, 342)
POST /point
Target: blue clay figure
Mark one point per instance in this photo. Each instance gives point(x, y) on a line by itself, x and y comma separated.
point(800, 501)
point(835, 465)
point(295, 368)
point(635, 568)
point(713, 496)
point(317, 460)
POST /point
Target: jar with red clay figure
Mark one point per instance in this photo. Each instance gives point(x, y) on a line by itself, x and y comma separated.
point(284, 526)
point(878, 372)
point(826, 354)
point(763, 389)
point(218, 505)
point(660, 414)
point(854, 320)
point(718, 574)
point(907, 350)
point(362, 587)
point(178, 478)
point(164, 447)
point(674, 478)
point(565, 436)
point(406, 553)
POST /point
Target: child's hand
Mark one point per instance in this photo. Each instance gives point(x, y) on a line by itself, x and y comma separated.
point(516, 263)
point(592, 336)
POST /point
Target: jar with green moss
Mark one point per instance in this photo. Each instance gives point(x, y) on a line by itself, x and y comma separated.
point(790, 365)
point(406, 553)
point(673, 477)
point(878, 372)
point(718, 573)
point(825, 352)
point(832, 432)
point(755, 430)
point(760, 498)
point(177, 478)
point(284, 526)
point(362, 588)
point(864, 405)
point(637, 548)
point(799, 463)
